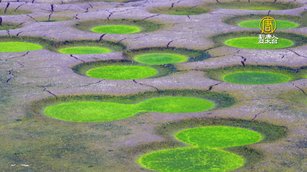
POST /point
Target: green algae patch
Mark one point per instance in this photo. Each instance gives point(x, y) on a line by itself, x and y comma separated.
point(255, 75)
point(122, 72)
point(116, 29)
point(16, 46)
point(119, 26)
point(204, 151)
point(93, 111)
point(85, 50)
point(191, 160)
point(180, 10)
point(160, 58)
point(280, 24)
point(218, 136)
point(11, 11)
point(87, 111)
point(252, 42)
point(255, 5)
point(177, 105)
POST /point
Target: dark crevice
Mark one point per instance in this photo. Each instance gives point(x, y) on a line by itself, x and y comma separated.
point(48, 91)
point(10, 76)
point(7, 6)
point(296, 53)
point(212, 86)
point(98, 82)
point(19, 56)
point(76, 58)
point(300, 89)
point(142, 84)
point(101, 37)
point(152, 16)
point(32, 18)
point(169, 43)
point(256, 115)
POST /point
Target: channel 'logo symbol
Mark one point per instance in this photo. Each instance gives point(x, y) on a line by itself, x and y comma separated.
point(268, 25)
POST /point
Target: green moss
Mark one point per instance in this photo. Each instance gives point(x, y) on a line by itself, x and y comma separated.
point(254, 75)
point(252, 43)
point(191, 160)
point(218, 136)
point(281, 24)
point(160, 58)
point(116, 29)
point(180, 10)
point(122, 72)
point(14, 46)
point(84, 50)
point(93, 111)
point(119, 26)
point(255, 5)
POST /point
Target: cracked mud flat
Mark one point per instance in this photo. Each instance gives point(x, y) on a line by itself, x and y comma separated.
point(36, 143)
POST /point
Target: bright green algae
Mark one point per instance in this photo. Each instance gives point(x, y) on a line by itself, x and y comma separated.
point(191, 159)
point(180, 10)
point(256, 77)
point(116, 29)
point(281, 24)
point(160, 58)
point(85, 50)
point(16, 46)
point(122, 72)
point(251, 42)
point(93, 111)
point(204, 153)
point(218, 136)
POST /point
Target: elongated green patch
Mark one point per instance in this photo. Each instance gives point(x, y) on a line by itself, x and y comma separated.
point(160, 58)
point(256, 77)
point(191, 160)
point(116, 29)
point(204, 153)
point(218, 136)
point(85, 50)
point(252, 42)
point(122, 72)
point(281, 24)
point(10, 47)
point(93, 111)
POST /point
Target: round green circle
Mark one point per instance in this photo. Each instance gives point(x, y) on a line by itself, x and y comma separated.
point(116, 29)
point(281, 24)
point(15, 46)
point(178, 104)
point(160, 58)
point(256, 77)
point(122, 72)
point(218, 136)
point(251, 42)
point(85, 50)
point(90, 111)
point(191, 160)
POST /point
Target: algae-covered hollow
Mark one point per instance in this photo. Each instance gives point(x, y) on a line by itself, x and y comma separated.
point(254, 75)
point(119, 26)
point(120, 70)
point(93, 111)
point(191, 159)
point(203, 151)
point(110, 108)
point(162, 56)
point(252, 21)
point(218, 136)
point(252, 40)
point(255, 5)
point(85, 50)
point(180, 10)
point(116, 29)
point(87, 47)
point(18, 46)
